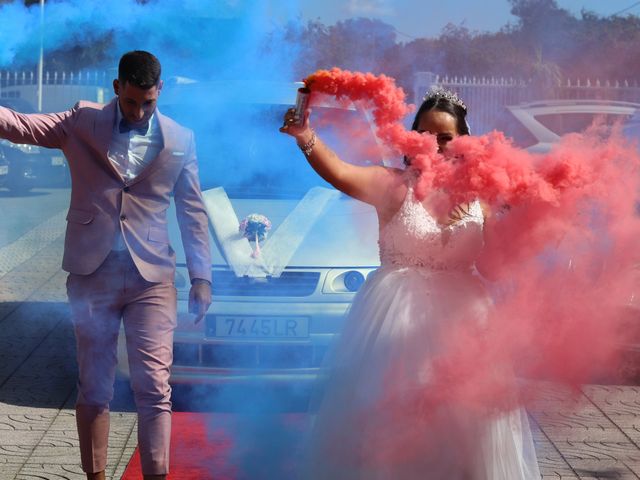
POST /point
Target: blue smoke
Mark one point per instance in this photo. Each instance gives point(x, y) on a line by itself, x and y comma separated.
point(238, 57)
point(217, 43)
point(211, 38)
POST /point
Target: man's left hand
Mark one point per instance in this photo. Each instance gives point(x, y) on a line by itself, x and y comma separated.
point(199, 298)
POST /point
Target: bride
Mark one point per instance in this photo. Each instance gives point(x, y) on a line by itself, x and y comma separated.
point(427, 285)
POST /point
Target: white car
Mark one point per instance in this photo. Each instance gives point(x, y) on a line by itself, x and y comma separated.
point(273, 314)
point(540, 124)
point(632, 127)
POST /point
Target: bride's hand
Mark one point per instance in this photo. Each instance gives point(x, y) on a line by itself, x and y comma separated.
point(301, 132)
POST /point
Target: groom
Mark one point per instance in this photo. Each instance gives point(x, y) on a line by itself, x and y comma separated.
point(126, 160)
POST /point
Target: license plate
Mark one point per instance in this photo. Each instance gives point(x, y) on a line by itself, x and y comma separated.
point(227, 326)
point(57, 161)
point(4, 169)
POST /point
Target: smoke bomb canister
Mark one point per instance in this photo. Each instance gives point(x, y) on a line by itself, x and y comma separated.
point(302, 102)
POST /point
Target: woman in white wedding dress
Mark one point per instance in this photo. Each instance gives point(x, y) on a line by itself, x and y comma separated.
point(427, 285)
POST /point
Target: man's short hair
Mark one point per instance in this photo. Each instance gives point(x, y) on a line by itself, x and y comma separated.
point(139, 68)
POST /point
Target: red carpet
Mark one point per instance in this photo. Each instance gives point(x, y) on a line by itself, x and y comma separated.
point(207, 446)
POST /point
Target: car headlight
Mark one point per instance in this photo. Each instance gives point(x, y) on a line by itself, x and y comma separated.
point(345, 280)
point(353, 280)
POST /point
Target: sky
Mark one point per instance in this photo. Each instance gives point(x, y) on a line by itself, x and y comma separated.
point(426, 18)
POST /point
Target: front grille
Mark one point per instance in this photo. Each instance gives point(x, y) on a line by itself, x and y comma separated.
point(250, 356)
point(224, 356)
point(289, 284)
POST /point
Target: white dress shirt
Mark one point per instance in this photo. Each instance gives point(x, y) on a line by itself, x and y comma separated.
point(131, 152)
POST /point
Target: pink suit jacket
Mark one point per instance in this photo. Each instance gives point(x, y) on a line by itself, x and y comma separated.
point(102, 203)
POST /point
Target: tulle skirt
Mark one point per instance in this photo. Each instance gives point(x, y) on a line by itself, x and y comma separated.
point(396, 323)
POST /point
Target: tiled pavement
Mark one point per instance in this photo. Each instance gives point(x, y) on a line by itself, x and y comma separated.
point(38, 437)
point(599, 437)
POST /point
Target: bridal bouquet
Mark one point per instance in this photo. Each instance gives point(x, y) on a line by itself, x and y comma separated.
point(255, 228)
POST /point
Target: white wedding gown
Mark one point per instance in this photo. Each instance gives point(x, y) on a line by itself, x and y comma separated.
point(426, 285)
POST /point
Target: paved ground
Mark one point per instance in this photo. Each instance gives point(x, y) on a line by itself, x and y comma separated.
point(597, 438)
point(37, 351)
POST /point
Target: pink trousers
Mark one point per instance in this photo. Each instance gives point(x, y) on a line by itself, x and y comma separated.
point(99, 302)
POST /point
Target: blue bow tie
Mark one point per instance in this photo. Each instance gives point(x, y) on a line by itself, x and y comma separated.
point(124, 127)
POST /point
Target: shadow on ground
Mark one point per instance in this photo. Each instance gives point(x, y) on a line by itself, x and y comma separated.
point(38, 369)
point(38, 366)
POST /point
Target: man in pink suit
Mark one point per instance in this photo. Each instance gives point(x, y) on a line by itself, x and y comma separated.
point(126, 160)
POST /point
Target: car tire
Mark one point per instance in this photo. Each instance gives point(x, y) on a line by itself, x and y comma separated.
point(20, 181)
point(19, 188)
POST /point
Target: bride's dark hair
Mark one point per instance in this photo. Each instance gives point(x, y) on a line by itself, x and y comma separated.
point(442, 103)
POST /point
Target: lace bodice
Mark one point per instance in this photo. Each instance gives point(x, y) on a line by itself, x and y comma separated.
point(414, 238)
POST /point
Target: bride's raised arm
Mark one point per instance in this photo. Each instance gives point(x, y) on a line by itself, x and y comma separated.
point(369, 184)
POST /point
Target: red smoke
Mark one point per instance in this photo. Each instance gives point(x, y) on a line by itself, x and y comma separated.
point(560, 252)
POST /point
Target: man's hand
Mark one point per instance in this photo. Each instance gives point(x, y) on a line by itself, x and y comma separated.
point(199, 298)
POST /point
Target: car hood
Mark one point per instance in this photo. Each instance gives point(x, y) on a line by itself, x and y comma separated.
point(541, 147)
point(344, 234)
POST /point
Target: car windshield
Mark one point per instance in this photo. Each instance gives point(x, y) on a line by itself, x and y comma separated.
point(563, 123)
point(240, 148)
point(507, 123)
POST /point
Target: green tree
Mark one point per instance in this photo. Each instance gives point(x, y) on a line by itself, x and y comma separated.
point(354, 44)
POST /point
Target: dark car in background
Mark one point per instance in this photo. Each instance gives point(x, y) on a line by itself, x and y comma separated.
point(30, 166)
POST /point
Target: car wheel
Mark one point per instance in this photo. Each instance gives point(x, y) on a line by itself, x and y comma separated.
point(19, 188)
point(20, 181)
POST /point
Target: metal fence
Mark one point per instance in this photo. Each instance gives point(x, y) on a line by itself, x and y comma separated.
point(94, 77)
point(60, 90)
point(487, 97)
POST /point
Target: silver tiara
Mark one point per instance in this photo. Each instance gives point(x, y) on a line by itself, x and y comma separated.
point(439, 92)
